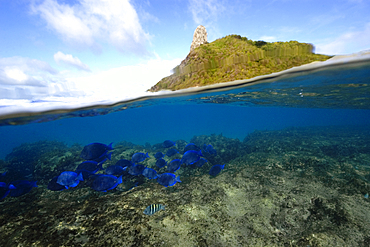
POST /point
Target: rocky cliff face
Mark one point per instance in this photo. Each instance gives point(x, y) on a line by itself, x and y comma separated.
point(200, 37)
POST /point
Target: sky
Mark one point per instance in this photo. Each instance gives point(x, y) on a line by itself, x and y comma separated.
point(79, 51)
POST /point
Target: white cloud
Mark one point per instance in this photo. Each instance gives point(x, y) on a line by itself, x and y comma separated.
point(33, 80)
point(68, 59)
point(124, 82)
point(15, 74)
point(346, 43)
point(26, 71)
point(91, 23)
point(25, 78)
point(268, 38)
point(205, 11)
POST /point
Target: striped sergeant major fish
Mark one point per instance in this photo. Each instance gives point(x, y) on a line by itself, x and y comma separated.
point(152, 209)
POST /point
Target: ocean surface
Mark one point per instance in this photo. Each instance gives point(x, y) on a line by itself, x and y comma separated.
point(309, 124)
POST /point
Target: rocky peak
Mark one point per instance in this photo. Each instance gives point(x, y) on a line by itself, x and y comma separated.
point(200, 37)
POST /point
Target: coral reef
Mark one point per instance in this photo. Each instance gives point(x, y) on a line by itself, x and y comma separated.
point(291, 187)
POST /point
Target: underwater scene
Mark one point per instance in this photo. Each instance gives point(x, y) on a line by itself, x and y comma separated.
point(280, 161)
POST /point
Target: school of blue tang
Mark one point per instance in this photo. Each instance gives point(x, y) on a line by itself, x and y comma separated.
point(95, 154)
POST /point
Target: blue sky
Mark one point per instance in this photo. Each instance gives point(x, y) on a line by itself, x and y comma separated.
point(100, 49)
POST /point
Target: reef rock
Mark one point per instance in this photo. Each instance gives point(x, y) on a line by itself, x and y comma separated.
point(200, 37)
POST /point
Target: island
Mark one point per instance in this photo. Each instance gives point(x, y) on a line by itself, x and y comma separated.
point(235, 58)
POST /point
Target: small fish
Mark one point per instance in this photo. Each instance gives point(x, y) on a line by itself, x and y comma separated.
point(139, 157)
point(366, 196)
point(95, 150)
point(54, 186)
point(4, 185)
point(150, 173)
point(168, 143)
point(105, 182)
point(5, 189)
point(171, 152)
point(102, 159)
point(115, 170)
point(215, 170)
point(160, 163)
point(191, 146)
point(158, 155)
point(211, 150)
point(201, 162)
point(168, 179)
point(152, 209)
point(89, 166)
point(21, 187)
point(190, 157)
point(69, 179)
point(136, 170)
point(174, 165)
point(124, 163)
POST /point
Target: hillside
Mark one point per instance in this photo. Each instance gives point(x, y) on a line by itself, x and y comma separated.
point(234, 58)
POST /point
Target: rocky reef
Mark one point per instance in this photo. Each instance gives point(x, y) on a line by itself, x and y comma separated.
point(291, 187)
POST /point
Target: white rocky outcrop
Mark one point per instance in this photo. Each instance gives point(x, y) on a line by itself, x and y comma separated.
point(200, 37)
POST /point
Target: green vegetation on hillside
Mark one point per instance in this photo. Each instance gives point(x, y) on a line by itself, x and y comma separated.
point(235, 58)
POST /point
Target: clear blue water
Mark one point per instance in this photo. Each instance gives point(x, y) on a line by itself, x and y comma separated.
point(154, 124)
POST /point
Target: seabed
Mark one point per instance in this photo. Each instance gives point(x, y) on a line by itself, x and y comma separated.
point(290, 187)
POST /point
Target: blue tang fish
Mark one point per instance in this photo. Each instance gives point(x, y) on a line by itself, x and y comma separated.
point(209, 148)
point(158, 155)
point(69, 179)
point(150, 173)
point(5, 189)
point(171, 152)
point(174, 165)
point(215, 170)
point(124, 163)
point(95, 150)
point(136, 170)
point(115, 170)
point(4, 185)
point(103, 158)
point(90, 166)
point(190, 157)
point(191, 146)
point(105, 182)
point(160, 163)
point(54, 186)
point(21, 187)
point(139, 157)
point(200, 162)
point(168, 179)
point(152, 209)
point(168, 144)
